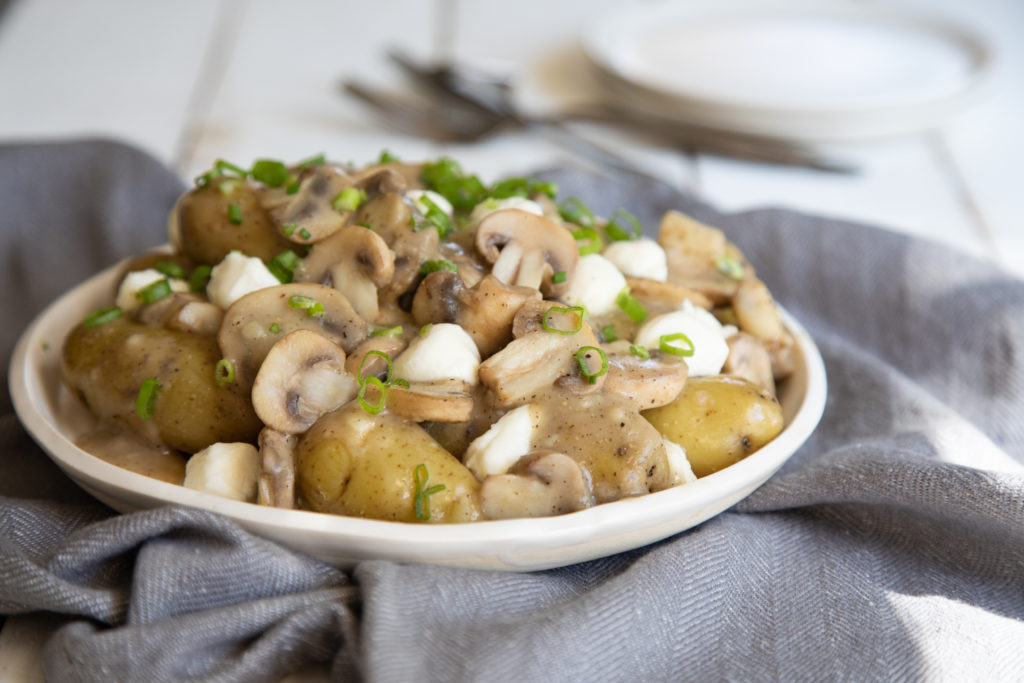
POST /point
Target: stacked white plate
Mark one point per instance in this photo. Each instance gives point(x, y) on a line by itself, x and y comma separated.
point(799, 70)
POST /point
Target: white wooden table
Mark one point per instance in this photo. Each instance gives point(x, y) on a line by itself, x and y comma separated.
point(194, 80)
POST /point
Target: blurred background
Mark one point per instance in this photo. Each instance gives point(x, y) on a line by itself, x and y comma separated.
point(196, 80)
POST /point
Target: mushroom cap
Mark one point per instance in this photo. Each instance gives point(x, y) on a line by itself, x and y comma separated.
point(248, 330)
point(648, 382)
point(380, 179)
point(433, 401)
point(302, 377)
point(540, 484)
point(276, 485)
point(541, 246)
point(310, 213)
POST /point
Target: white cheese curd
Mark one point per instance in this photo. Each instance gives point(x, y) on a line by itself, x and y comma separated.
point(638, 258)
point(439, 201)
point(444, 351)
point(489, 206)
point(708, 336)
point(228, 470)
point(137, 280)
point(497, 449)
point(678, 465)
point(595, 285)
point(236, 276)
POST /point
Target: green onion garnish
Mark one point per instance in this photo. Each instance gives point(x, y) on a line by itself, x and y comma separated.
point(235, 214)
point(349, 199)
point(436, 265)
point(228, 187)
point(582, 357)
point(608, 332)
point(312, 307)
point(283, 266)
point(372, 408)
point(399, 382)
point(289, 228)
point(387, 157)
point(224, 372)
point(275, 328)
point(511, 187)
point(374, 352)
point(292, 187)
point(305, 234)
point(270, 172)
point(545, 187)
point(423, 493)
point(588, 240)
point(154, 291)
point(387, 331)
point(463, 193)
point(623, 226)
point(312, 161)
point(665, 344)
point(425, 329)
point(171, 269)
point(199, 277)
point(437, 171)
point(575, 211)
point(639, 351)
point(559, 310)
point(222, 166)
point(146, 400)
point(436, 217)
point(102, 316)
point(559, 277)
point(729, 267)
point(630, 306)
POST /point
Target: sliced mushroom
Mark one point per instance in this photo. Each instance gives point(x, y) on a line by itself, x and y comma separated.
point(540, 484)
point(380, 179)
point(356, 262)
point(756, 313)
point(748, 358)
point(309, 216)
point(695, 254)
point(533, 362)
point(485, 311)
point(527, 250)
point(302, 377)
point(374, 365)
point(664, 295)
point(442, 401)
point(648, 382)
point(259, 319)
point(276, 485)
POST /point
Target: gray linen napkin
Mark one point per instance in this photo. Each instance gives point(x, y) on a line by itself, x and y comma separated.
point(890, 547)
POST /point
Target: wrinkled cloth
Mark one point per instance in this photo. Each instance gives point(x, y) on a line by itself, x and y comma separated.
point(889, 547)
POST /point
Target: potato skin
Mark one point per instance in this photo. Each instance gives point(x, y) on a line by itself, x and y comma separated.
point(719, 420)
point(361, 465)
point(206, 235)
point(106, 366)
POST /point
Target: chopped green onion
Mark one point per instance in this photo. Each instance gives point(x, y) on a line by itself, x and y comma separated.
point(312, 307)
point(623, 226)
point(206, 178)
point(463, 193)
point(292, 187)
point(425, 330)
point(224, 372)
point(372, 408)
point(387, 331)
point(387, 157)
point(436, 265)
point(399, 382)
point(588, 240)
point(435, 217)
point(630, 306)
point(305, 234)
point(228, 187)
point(437, 171)
point(665, 344)
point(289, 228)
point(575, 211)
point(511, 187)
point(313, 161)
point(222, 166)
point(559, 277)
point(639, 351)
point(366, 357)
point(171, 269)
point(146, 400)
point(559, 310)
point(275, 328)
point(199, 277)
point(270, 172)
point(582, 357)
point(283, 266)
point(154, 291)
point(608, 332)
point(423, 493)
point(729, 267)
point(235, 214)
point(545, 187)
point(349, 199)
point(102, 316)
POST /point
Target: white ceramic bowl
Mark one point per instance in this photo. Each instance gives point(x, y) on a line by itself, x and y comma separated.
point(55, 419)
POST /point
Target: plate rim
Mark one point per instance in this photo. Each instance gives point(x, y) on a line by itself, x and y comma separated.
point(520, 545)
